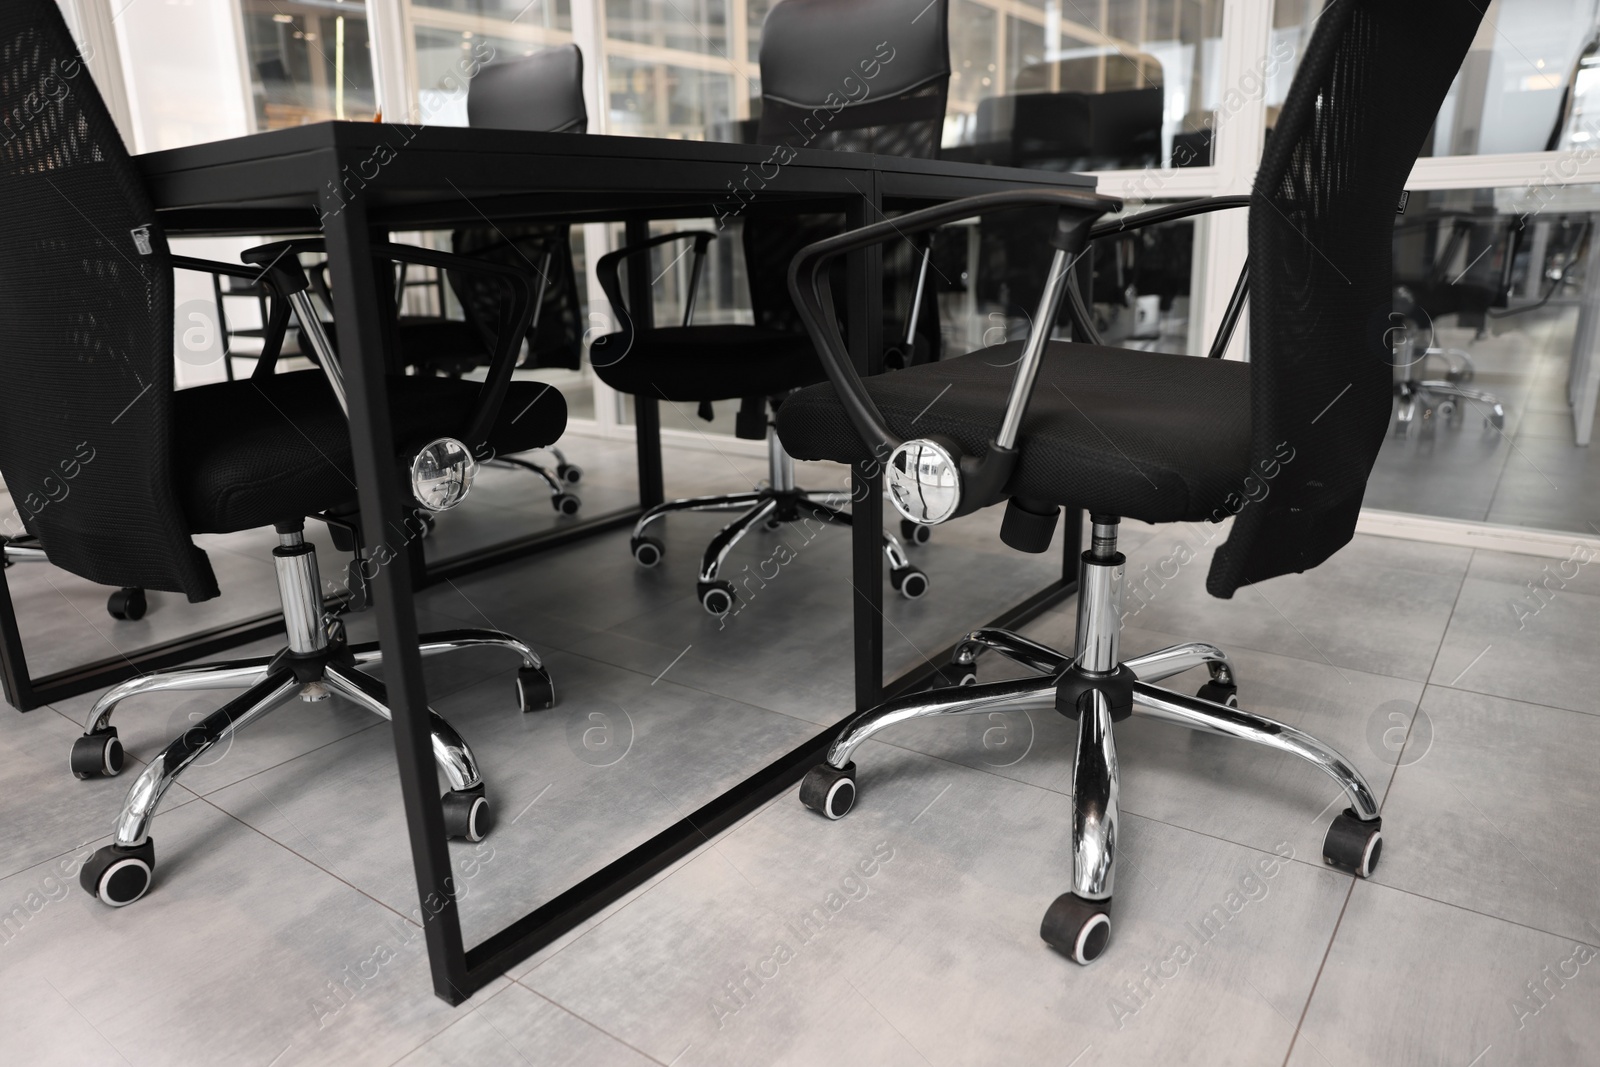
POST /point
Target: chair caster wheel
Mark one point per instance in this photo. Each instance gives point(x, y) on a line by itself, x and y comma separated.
point(914, 533)
point(911, 582)
point(772, 524)
point(1218, 693)
point(97, 755)
point(968, 675)
point(830, 791)
point(717, 597)
point(467, 815)
point(566, 503)
point(1496, 420)
point(119, 876)
point(1353, 845)
point(570, 473)
point(1079, 929)
point(127, 604)
point(647, 551)
point(535, 690)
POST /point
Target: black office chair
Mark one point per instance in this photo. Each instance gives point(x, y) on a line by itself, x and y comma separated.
point(1284, 444)
point(1427, 287)
point(542, 92)
point(896, 67)
point(86, 306)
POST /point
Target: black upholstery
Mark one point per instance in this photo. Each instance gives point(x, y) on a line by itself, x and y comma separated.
point(1146, 435)
point(1174, 437)
point(543, 91)
point(886, 94)
point(251, 453)
point(86, 313)
point(89, 420)
point(1321, 236)
point(694, 363)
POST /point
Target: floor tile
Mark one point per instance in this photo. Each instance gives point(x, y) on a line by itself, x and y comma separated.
point(617, 760)
point(1412, 982)
point(795, 938)
point(519, 1026)
point(241, 952)
point(1494, 809)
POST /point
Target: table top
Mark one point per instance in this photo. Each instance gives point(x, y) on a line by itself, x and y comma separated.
point(420, 177)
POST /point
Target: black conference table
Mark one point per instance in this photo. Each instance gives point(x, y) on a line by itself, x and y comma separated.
point(357, 182)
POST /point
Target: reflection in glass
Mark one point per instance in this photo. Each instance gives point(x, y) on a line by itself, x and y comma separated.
point(1524, 86)
point(308, 62)
point(1491, 378)
point(1084, 87)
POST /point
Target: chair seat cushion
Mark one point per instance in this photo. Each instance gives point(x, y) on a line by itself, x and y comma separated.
point(694, 363)
point(1144, 435)
point(251, 453)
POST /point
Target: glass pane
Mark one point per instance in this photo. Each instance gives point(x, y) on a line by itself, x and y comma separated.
point(653, 99)
point(1489, 285)
point(1083, 86)
point(1525, 86)
point(683, 25)
point(454, 38)
point(308, 62)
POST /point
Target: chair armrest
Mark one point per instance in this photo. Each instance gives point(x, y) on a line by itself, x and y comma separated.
point(281, 261)
point(979, 480)
point(606, 269)
point(1170, 213)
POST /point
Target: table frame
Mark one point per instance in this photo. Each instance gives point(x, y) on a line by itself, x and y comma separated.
point(287, 181)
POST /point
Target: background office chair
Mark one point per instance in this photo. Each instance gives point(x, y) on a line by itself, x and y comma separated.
point(127, 604)
point(1427, 287)
point(1284, 443)
point(543, 93)
point(901, 88)
point(86, 307)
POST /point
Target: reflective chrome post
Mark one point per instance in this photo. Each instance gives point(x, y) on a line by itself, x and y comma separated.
point(1027, 694)
point(139, 810)
point(1094, 800)
point(1015, 647)
point(1175, 659)
point(1196, 714)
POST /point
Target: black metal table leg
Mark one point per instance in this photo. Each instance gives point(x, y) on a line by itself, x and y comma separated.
point(646, 409)
point(864, 270)
point(372, 446)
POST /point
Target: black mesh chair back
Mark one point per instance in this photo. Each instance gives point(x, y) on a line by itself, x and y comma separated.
point(882, 89)
point(86, 313)
point(1321, 233)
point(544, 93)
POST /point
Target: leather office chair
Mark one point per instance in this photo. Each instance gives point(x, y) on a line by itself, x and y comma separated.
point(897, 71)
point(1284, 443)
point(542, 93)
point(86, 288)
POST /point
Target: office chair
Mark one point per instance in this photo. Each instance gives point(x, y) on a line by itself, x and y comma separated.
point(900, 90)
point(542, 92)
point(127, 604)
point(1427, 287)
point(86, 288)
point(1283, 444)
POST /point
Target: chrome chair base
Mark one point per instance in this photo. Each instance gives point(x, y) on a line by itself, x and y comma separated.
point(316, 664)
point(770, 506)
point(1097, 688)
point(560, 483)
point(1445, 396)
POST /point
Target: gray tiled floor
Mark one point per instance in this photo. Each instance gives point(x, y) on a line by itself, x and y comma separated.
point(284, 876)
